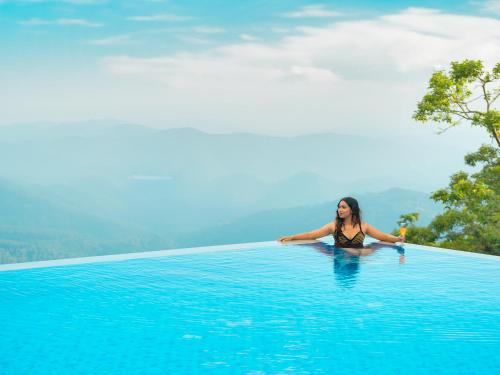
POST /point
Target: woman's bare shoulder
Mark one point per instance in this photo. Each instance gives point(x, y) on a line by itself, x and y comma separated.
point(365, 226)
point(331, 226)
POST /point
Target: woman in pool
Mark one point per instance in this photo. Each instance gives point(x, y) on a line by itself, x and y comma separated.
point(348, 230)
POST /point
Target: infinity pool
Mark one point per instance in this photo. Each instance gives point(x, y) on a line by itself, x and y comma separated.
point(261, 308)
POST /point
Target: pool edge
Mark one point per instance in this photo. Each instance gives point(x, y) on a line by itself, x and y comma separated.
point(203, 249)
point(135, 255)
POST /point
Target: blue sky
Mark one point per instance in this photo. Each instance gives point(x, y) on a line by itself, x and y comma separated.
point(54, 28)
point(275, 67)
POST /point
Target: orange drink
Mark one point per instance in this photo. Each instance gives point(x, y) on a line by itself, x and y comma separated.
point(402, 231)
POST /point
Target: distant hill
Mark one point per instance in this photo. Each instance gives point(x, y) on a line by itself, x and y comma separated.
point(95, 187)
point(34, 228)
point(72, 153)
point(379, 209)
point(20, 207)
point(162, 179)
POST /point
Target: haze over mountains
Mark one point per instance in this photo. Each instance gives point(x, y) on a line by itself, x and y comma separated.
point(95, 188)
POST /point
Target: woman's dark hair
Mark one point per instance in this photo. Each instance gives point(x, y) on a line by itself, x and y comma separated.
point(355, 210)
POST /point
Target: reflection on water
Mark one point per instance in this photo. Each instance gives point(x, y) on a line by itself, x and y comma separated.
point(345, 267)
point(346, 261)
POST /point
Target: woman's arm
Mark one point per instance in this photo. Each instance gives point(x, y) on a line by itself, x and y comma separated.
point(381, 236)
point(312, 235)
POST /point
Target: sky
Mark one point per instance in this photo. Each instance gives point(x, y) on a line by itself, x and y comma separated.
point(270, 67)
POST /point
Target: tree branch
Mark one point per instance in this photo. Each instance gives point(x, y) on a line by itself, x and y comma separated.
point(473, 100)
point(440, 131)
point(495, 134)
point(485, 95)
point(462, 115)
point(470, 110)
point(464, 107)
point(495, 98)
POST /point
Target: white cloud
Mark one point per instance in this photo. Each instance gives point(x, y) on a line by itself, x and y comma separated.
point(280, 30)
point(312, 11)
point(165, 17)
point(349, 73)
point(314, 75)
point(60, 22)
point(112, 40)
point(208, 30)
point(195, 40)
point(36, 22)
point(389, 47)
point(77, 22)
point(183, 29)
point(248, 37)
point(185, 34)
point(491, 7)
point(354, 76)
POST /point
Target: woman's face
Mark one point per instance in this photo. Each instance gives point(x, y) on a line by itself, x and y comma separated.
point(343, 210)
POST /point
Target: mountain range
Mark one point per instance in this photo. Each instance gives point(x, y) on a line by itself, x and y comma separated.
point(123, 187)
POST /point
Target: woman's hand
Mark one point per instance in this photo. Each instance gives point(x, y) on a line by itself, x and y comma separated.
point(401, 238)
point(312, 235)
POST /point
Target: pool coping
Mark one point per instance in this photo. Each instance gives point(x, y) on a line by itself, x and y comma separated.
point(204, 249)
point(136, 255)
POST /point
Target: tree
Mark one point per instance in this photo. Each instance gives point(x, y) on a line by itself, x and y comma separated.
point(454, 96)
point(471, 220)
point(415, 234)
point(408, 220)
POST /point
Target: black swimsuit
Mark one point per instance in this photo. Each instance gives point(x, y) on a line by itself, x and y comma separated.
point(341, 240)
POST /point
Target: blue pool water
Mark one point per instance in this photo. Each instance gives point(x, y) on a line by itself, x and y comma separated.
point(256, 309)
